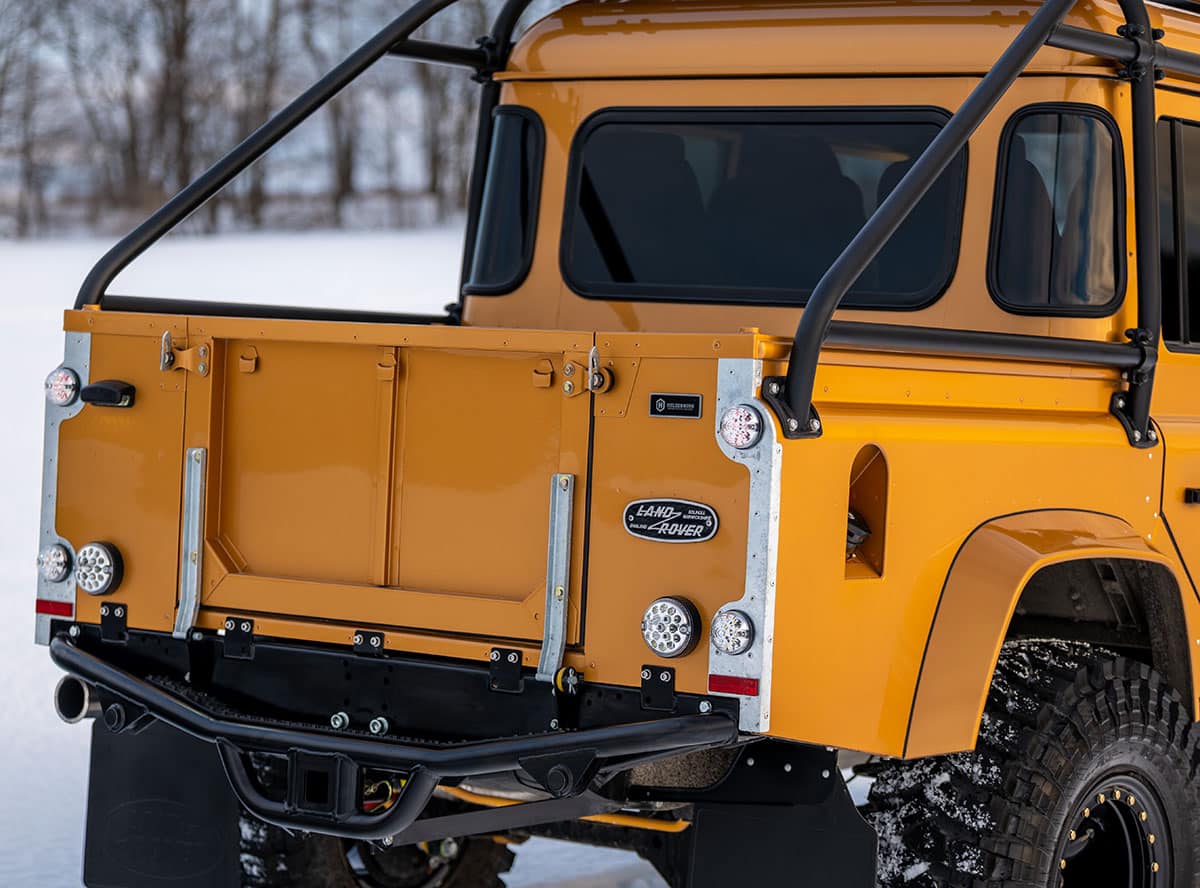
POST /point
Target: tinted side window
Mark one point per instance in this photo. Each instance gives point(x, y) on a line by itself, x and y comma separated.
point(1179, 219)
point(508, 216)
point(1056, 242)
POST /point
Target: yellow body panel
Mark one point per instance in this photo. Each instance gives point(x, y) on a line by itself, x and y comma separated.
point(396, 476)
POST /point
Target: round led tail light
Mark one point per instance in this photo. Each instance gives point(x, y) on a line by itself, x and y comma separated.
point(671, 627)
point(98, 568)
point(732, 632)
point(54, 563)
point(62, 387)
point(741, 426)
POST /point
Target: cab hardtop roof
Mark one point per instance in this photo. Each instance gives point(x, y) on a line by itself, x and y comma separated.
point(690, 38)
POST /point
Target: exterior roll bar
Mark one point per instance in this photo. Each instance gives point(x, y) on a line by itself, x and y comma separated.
point(791, 396)
point(393, 40)
point(1135, 48)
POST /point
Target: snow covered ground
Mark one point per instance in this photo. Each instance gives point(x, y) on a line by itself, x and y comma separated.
point(43, 763)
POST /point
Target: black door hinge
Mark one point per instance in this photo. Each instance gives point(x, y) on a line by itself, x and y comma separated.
point(239, 638)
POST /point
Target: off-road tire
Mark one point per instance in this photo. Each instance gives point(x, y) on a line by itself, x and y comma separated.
point(1065, 724)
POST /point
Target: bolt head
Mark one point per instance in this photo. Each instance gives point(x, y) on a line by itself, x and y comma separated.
point(664, 676)
point(646, 672)
point(1152, 435)
point(339, 720)
point(245, 625)
point(376, 641)
point(494, 656)
point(773, 388)
point(554, 724)
point(120, 612)
point(825, 774)
point(564, 483)
point(1137, 436)
point(793, 424)
point(204, 351)
point(705, 707)
point(197, 636)
point(814, 425)
point(378, 725)
point(386, 841)
point(568, 370)
point(104, 610)
point(229, 624)
point(514, 657)
point(202, 368)
point(568, 387)
point(73, 632)
point(1120, 403)
point(357, 638)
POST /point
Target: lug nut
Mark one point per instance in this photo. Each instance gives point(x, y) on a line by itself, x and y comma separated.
point(378, 725)
point(339, 720)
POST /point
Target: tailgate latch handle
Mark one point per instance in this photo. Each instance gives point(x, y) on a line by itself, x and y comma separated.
point(197, 359)
point(600, 379)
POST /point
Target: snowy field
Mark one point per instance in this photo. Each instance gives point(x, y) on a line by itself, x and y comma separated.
point(43, 768)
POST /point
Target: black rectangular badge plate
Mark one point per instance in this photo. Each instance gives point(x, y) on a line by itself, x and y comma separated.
point(676, 406)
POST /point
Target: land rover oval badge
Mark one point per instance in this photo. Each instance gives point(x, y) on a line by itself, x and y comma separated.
point(671, 520)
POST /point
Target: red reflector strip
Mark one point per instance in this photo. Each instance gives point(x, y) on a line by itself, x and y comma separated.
point(56, 608)
point(732, 684)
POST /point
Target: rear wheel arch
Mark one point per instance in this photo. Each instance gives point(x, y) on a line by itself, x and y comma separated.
point(1003, 561)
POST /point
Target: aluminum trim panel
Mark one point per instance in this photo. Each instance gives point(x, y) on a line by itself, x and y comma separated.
point(558, 575)
point(738, 382)
point(77, 355)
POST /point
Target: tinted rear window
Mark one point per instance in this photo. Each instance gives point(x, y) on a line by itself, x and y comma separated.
point(737, 206)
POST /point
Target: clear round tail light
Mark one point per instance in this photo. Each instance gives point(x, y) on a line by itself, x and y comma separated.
point(62, 387)
point(671, 626)
point(54, 563)
point(98, 568)
point(741, 426)
point(732, 632)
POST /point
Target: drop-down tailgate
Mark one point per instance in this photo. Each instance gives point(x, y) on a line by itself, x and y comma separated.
point(388, 476)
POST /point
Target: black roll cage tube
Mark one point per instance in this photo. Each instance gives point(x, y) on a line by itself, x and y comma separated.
point(1135, 47)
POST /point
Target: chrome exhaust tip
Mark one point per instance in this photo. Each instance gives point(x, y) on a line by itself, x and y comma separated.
point(75, 700)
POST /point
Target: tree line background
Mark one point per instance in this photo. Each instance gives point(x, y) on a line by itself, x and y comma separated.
point(108, 107)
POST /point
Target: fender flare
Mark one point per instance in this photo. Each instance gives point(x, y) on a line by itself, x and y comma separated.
point(985, 581)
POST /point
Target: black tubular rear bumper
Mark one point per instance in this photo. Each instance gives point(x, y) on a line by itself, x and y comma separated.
point(424, 765)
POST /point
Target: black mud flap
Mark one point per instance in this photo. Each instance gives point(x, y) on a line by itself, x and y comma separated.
point(160, 813)
point(800, 846)
point(782, 817)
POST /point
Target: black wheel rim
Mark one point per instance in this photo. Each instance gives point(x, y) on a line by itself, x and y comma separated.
point(1116, 835)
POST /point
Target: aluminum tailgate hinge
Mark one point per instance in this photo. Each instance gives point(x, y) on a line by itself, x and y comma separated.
point(558, 574)
point(195, 360)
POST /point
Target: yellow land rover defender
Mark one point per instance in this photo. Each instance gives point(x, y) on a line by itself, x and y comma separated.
point(825, 378)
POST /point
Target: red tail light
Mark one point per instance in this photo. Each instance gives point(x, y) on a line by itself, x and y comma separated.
point(732, 684)
point(55, 608)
